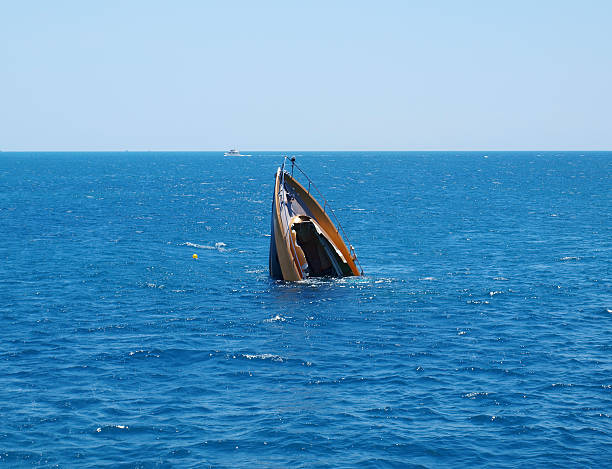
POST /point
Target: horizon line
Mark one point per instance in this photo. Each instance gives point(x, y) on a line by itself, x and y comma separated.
point(298, 150)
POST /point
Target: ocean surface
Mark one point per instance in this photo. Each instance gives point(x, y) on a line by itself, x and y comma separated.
point(480, 335)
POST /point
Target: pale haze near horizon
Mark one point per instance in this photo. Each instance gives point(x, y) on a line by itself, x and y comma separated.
point(390, 75)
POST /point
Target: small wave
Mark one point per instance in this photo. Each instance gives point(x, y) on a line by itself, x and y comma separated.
point(493, 293)
point(254, 271)
point(111, 428)
point(383, 280)
point(474, 395)
point(263, 356)
point(278, 317)
point(144, 353)
point(570, 258)
point(508, 420)
point(194, 245)
point(220, 246)
point(428, 279)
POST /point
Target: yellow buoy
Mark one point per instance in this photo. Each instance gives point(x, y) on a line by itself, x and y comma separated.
point(195, 256)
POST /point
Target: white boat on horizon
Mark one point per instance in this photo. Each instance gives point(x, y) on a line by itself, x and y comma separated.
point(233, 152)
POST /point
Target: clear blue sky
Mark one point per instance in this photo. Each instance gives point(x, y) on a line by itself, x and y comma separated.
point(309, 75)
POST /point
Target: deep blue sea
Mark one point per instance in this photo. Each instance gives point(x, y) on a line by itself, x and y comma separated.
point(480, 335)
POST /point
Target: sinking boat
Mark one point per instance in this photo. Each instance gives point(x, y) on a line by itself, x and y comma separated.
point(304, 241)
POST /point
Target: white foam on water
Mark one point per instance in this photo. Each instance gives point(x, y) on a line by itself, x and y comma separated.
point(219, 246)
point(278, 317)
point(474, 395)
point(120, 427)
point(194, 245)
point(263, 356)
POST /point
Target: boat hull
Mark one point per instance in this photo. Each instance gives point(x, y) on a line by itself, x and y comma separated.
point(274, 264)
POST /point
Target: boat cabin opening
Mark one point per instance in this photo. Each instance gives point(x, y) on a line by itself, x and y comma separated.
point(315, 254)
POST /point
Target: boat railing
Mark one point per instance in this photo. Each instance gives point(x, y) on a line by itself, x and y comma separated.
point(326, 206)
